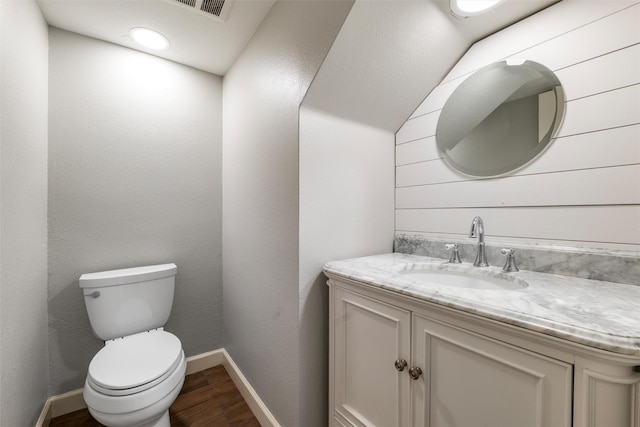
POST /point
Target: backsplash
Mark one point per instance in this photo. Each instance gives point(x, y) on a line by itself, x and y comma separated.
point(597, 264)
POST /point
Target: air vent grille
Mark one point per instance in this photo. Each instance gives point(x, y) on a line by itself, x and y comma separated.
point(217, 9)
point(212, 6)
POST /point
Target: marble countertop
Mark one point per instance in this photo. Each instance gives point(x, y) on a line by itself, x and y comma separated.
point(598, 314)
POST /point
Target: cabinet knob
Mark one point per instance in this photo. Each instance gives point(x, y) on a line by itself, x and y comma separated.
point(401, 364)
point(415, 373)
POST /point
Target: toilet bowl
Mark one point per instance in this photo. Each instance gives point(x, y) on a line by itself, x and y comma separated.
point(133, 380)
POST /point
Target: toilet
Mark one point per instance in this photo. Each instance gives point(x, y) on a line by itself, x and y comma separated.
point(137, 375)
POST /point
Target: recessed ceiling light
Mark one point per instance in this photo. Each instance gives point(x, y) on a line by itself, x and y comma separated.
point(465, 8)
point(149, 38)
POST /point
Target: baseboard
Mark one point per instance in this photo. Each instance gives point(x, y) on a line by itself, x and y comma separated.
point(259, 409)
point(203, 361)
point(208, 360)
point(61, 404)
point(72, 401)
point(45, 416)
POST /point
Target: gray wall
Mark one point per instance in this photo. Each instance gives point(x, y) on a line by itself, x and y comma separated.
point(23, 216)
point(262, 94)
point(134, 179)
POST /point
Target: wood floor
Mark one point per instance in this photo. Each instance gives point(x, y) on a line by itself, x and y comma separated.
point(208, 398)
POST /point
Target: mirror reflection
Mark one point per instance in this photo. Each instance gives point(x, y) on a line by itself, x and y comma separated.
point(500, 118)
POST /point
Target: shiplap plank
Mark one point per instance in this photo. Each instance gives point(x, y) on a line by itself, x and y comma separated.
point(611, 224)
point(620, 107)
point(586, 18)
point(431, 172)
point(517, 241)
point(611, 147)
point(420, 127)
point(614, 32)
point(601, 74)
point(417, 151)
point(605, 186)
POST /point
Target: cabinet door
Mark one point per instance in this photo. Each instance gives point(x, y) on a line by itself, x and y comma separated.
point(606, 394)
point(473, 381)
point(369, 336)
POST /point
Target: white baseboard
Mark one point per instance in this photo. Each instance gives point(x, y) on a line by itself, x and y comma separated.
point(45, 416)
point(259, 409)
point(72, 401)
point(203, 361)
point(61, 404)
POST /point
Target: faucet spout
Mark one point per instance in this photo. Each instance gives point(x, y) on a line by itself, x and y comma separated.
point(477, 230)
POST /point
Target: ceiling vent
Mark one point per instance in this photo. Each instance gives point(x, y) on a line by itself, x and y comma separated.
point(217, 9)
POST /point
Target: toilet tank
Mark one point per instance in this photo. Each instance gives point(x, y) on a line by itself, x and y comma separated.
point(128, 301)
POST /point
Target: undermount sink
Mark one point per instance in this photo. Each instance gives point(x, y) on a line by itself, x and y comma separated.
point(461, 279)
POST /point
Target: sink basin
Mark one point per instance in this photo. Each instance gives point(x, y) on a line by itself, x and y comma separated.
point(459, 279)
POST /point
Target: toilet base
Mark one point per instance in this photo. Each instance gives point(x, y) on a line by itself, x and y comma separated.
point(163, 421)
point(140, 418)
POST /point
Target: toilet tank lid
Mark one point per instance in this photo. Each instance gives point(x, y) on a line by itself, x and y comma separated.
point(127, 275)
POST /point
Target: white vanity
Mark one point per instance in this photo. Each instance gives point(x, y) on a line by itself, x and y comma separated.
point(542, 350)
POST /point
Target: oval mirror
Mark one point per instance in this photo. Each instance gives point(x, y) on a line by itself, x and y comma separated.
point(500, 118)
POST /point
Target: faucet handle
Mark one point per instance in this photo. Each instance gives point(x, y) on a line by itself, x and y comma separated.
point(455, 254)
point(510, 265)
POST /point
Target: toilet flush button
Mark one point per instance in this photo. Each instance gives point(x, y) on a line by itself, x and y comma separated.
point(135, 360)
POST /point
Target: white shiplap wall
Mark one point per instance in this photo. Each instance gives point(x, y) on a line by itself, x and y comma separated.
point(585, 189)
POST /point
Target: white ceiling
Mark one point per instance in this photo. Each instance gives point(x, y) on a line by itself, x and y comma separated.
point(197, 39)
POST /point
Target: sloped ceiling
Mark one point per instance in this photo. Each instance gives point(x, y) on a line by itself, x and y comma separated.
point(197, 40)
point(390, 54)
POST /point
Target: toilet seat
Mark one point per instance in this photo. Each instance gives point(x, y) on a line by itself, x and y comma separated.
point(131, 409)
point(135, 363)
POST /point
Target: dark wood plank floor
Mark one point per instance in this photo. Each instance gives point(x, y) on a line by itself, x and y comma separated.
point(208, 398)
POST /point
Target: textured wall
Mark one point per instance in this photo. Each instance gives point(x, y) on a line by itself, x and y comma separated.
point(23, 216)
point(262, 94)
point(134, 179)
point(585, 189)
point(346, 211)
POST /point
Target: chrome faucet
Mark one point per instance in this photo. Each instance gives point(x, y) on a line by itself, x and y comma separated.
point(510, 264)
point(477, 230)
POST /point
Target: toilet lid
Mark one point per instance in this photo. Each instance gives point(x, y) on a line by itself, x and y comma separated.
point(135, 360)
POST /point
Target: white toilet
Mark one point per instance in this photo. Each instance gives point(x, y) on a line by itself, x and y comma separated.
point(138, 374)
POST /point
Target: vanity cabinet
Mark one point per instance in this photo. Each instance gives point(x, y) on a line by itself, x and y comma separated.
point(461, 370)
